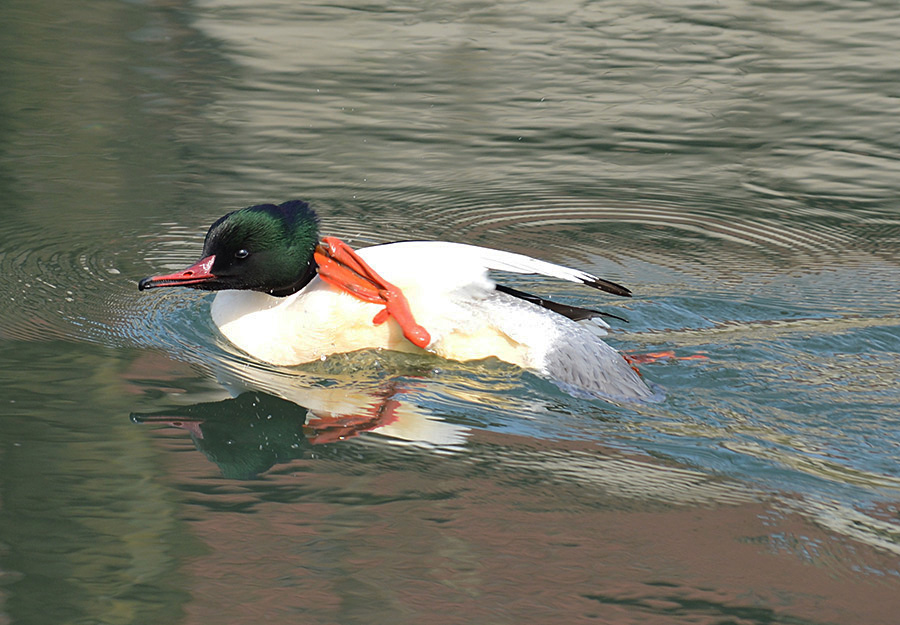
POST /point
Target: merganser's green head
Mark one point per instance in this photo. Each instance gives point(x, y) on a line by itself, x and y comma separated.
point(265, 248)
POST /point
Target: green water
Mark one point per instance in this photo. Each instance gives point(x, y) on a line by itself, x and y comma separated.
point(735, 164)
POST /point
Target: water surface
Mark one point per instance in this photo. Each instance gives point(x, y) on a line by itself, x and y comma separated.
point(734, 163)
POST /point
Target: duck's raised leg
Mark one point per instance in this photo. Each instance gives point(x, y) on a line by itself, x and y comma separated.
point(341, 267)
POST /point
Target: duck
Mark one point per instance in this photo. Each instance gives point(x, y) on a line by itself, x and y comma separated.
point(286, 296)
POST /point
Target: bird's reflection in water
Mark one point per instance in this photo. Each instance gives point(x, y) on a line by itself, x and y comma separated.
point(244, 436)
point(274, 417)
point(279, 415)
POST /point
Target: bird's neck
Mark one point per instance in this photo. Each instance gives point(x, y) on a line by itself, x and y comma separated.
point(308, 274)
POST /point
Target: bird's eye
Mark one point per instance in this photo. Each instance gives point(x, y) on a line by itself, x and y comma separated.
point(241, 254)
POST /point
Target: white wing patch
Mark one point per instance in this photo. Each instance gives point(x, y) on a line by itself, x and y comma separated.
point(464, 259)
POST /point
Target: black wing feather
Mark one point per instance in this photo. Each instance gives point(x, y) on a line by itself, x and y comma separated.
point(572, 312)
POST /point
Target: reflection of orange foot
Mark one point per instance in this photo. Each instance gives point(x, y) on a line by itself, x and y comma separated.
point(329, 428)
point(343, 268)
point(651, 357)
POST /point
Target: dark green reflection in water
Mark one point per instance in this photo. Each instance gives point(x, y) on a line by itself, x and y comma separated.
point(244, 436)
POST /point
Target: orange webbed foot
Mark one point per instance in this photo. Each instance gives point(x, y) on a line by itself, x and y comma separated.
point(341, 267)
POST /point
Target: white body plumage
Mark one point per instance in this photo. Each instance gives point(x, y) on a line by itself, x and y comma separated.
point(450, 294)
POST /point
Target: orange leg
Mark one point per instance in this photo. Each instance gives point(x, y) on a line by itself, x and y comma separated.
point(343, 268)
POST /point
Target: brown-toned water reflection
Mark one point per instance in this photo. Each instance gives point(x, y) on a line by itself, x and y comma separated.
point(376, 506)
point(515, 532)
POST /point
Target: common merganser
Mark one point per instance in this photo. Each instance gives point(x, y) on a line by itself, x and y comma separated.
point(286, 298)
